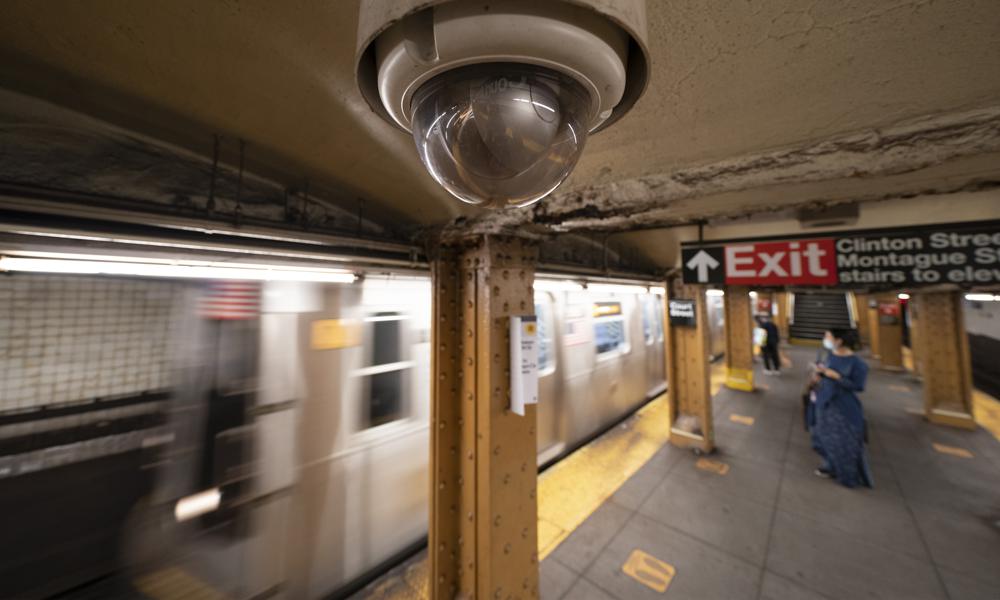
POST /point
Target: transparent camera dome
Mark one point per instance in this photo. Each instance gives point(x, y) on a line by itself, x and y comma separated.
point(500, 135)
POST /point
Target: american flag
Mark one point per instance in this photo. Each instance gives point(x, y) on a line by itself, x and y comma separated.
point(230, 300)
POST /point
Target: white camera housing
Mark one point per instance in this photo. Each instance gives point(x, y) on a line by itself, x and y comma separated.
point(501, 96)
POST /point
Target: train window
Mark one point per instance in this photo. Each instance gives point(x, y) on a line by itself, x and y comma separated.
point(658, 317)
point(383, 393)
point(384, 398)
point(652, 328)
point(609, 327)
point(386, 341)
point(546, 349)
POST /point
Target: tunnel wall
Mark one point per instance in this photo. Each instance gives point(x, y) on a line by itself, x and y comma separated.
point(85, 369)
point(65, 338)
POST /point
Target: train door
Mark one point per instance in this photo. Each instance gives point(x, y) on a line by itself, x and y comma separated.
point(716, 324)
point(548, 414)
point(612, 382)
point(652, 333)
point(198, 520)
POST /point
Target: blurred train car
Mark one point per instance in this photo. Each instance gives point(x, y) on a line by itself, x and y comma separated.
point(358, 357)
point(275, 451)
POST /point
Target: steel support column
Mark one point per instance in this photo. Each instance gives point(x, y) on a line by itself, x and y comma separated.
point(781, 316)
point(916, 345)
point(686, 354)
point(739, 341)
point(483, 521)
point(890, 333)
point(863, 323)
point(873, 329)
point(945, 361)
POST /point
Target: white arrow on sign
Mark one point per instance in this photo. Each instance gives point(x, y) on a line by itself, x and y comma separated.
point(702, 261)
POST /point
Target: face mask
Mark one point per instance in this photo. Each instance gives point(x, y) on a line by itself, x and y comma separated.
point(828, 344)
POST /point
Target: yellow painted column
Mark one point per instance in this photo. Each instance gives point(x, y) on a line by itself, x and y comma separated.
point(916, 344)
point(688, 387)
point(863, 320)
point(483, 517)
point(739, 340)
point(873, 328)
point(945, 359)
point(781, 316)
point(890, 331)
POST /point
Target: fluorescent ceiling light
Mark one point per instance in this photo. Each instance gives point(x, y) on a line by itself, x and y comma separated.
point(753, 294)
point(180, 245)
point(659, 290)
point(608, 288)
point(198, 504)
point(903, 296)
point(715, 293)
point(83, 264)
point(982, 297)
point(553, 285)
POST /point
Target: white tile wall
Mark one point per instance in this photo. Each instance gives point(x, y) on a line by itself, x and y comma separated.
point(71, 338)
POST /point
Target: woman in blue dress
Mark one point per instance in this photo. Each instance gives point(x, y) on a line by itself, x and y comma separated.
point(839, 433)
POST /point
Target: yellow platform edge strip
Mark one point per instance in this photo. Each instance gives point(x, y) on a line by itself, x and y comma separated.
point(573, 489)
point(570, 491)
point(986, 410)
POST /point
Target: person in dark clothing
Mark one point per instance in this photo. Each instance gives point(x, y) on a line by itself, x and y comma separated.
point(772, 360)
point(839, 432)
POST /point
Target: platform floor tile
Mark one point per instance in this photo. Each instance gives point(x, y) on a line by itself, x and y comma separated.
point(702, 570)
point(770, 529)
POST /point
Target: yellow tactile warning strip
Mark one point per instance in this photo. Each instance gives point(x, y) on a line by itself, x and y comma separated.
point(573, 489)
point(986, 409)
point(649, 570)
point(745, 420)
point(952, 450)
point(707, 464)
point(173, 583)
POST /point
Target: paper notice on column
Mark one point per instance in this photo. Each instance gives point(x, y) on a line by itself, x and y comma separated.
point(523, 363)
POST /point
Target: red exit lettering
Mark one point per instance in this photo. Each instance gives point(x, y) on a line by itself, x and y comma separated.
point(779, 263)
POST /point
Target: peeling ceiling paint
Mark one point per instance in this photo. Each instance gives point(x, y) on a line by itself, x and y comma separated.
point(656, 200)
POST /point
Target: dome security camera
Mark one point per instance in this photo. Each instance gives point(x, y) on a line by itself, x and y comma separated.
point(500, 96)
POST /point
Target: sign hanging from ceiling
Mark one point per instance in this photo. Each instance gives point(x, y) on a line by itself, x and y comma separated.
point(959, 254)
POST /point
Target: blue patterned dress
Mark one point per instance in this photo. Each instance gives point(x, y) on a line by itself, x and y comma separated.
point(839, 434)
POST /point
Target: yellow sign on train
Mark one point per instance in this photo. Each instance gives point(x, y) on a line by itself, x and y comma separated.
point(330, 334)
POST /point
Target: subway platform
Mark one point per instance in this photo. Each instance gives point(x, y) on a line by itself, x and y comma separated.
point(753, 521)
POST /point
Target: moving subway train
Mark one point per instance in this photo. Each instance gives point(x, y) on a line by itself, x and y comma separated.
point(264, 439)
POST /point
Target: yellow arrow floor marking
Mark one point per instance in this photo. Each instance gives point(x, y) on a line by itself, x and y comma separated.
point(952, 450)
point(649, 570)
point(741, 419)
point(707, 464)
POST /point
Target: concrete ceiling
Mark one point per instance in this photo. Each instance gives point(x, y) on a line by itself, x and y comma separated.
point(752, 106)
